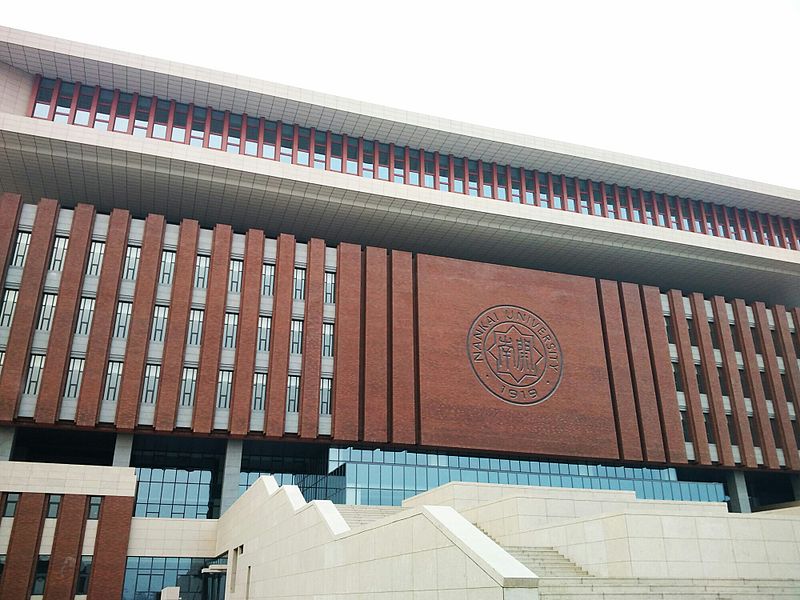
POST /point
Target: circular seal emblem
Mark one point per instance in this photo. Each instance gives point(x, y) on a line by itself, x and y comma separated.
point(515, 354)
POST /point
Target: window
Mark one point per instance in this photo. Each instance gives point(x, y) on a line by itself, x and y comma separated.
point(74, 377)
point(259, 390)
point(122, 117)
point(83, 106)
point(59, 253)
point(21, 249)
point(102, 115)
point(10, 507)
point(9, 306)
point(152, 373)
point(84, 572)
point(2, 359)
point(113, 376)
point(296, 345)
point(159, 329)
point(201, 272)
point(131, 269)
point(94, 508)
point(330, 287)
point(267, 279)
point(122, 320)
point(235, 276)
point(46, 312)
point(53, 503)
point(293, 394)
point(44, 98)
point(299, 284)
point(188, 386)
point(167, 267)
point(195, 327)
point(141, 117)
point(85, 313)
point(40, 575)
point(264, 326)
point(96, 252)
point(34, 374)
point(229, 330)
point(224, 380)
point(325, 387)
point(327, 340)
point(179, 120)
point(199, 117)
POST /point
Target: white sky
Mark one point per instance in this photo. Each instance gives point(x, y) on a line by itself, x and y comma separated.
point(709, 84)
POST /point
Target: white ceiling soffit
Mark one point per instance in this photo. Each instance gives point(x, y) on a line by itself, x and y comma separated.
point(54, 57)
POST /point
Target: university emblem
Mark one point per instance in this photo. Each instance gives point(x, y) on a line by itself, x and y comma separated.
point(515, 354)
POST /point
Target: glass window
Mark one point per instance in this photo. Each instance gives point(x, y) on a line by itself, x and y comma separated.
point(267, 279)
point(383, 161)
point(201, 271)
point(59, 253)
point(131, 268)
point(74, 377)
point(325, 396)
point(303, 146)
point(296, 345)
point(141, 118)
point(270, 137)
point(84, 105)
point(10, 506)
point(327, 340)
point(84, 573)
point(122, 319)
point(299, 284)
point(259, 390)
point(293, 394)
point(224, 381)
point(195, 327)
point(336, 152)
point(21, 245)
point(235, 276)
point(9, 306)
point(102, 116)
point(46, 312)
point(122, 116)
point(399, 172)
point(44, 98)
point(188, 386)
point(367, 159)
point(159, 328)
point(152, 373)
point(413, 167)
point(53, 504)
point(198, 132)
point(34, 374)
point(64, 102)
point(287, 140)
point(96, 252)
point(234, 139)
point(321, 149)
point(179, 121)
point(230, 329)
point(161, 119)
point(330, 287)
point(264, 326)
point(40, 575)
point(167, 267)
point(251, 132)
point(94, 508)
point(85, 314)
point(113, 377)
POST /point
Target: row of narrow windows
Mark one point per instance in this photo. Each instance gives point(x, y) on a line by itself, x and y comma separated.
point(159, 118)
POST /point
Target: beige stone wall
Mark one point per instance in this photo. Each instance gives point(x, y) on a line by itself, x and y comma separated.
point(16, 87)
point(173, 537)
point(50, 478)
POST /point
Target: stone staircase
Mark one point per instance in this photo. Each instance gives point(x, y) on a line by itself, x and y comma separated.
point(358, 516)
point(546, 562)
point(602, 588)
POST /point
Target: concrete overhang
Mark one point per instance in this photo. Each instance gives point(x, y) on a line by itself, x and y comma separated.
point(75, 164)
point(54, 57)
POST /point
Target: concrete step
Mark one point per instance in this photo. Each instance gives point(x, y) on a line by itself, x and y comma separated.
point(546, 562)
point(358, 516)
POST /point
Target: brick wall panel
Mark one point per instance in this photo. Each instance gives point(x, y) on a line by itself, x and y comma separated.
point(10, 208)
point(12, 377)
point(789, 355)
point(23, 547)
point(375, 403)
point(65, 556)
point(403, 372)
point(213, 324)
point(660, 362)
point(66, 312)
point(248, 333)
point(111, 548)
point(627, 419)
point(347, 361)
point(644, 385)
point(281, 331)
point(103, 321)
point(312, 339)
point(169, 387)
